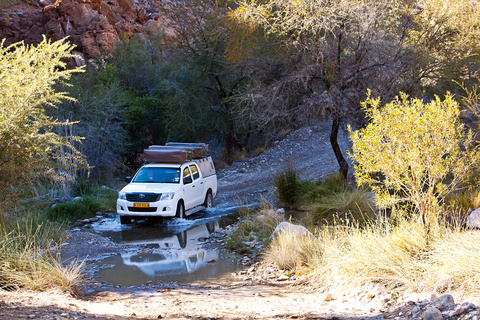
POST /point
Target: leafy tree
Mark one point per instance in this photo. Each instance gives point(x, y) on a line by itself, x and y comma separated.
point(201, 34)
point(413, 152)
point(446, 39)
point(29, 147)
point(167, 99)
point(99, 110)
point(330, 52)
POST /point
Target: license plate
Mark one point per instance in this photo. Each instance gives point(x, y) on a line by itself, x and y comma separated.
point(141, 205)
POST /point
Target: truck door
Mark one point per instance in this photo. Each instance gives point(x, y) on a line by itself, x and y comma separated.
point(189, 189)
point(199, 185)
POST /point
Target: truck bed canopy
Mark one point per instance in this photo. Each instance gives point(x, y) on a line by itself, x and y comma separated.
point(175, 153)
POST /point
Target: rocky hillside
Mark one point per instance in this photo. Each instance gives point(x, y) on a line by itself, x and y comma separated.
point(92, 25)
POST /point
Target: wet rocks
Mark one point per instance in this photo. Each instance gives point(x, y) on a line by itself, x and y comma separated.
point(441, 308)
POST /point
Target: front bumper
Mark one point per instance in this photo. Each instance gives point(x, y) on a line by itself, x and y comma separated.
point(154, 209)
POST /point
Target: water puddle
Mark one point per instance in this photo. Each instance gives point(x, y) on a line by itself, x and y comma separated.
point(171, 251)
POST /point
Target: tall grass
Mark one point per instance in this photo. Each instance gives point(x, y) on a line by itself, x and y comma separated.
point(287, 184)
point(311, 191)
point(393, 254)
point(26, 258)
point(355, 204)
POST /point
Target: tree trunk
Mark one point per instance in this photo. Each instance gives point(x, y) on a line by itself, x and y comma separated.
point(336, 148)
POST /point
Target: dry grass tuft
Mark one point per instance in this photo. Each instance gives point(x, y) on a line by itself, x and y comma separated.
point(392, 254)
point(291, 251)
point(26, 260)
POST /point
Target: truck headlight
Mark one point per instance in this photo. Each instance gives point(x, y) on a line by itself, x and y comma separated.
point(167, 196)
point(122, 195)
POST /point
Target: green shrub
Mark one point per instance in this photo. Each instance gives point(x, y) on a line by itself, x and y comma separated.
point(414, 151)
point(81, 187)
point(108, 200)
point(354, 204)
point(71, 211)
point(287, 183)
point(310, 192)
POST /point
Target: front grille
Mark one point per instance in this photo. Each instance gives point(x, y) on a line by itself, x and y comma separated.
point(143, 197)
point(133, 209)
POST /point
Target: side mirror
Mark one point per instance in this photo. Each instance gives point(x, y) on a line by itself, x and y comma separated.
point(128, 179)
point(187, 180)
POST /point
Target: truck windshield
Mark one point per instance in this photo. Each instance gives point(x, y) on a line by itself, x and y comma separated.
point(158, 175)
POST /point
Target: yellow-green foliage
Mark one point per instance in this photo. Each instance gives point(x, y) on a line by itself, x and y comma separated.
point(413, 152)
point(391, 254)
point(29, 146)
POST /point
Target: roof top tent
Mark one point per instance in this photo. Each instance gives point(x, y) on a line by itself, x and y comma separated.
point(175, 153)
point(167, 154)
point(200, 149)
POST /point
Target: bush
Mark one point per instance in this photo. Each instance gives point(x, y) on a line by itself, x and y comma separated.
point(356, 204)
point(26, 256)
point(292, 252)
point(108, 200)
point(287, 184)
point(31, 148)
point(414, 154)
point(72, 211)
point(311, 192)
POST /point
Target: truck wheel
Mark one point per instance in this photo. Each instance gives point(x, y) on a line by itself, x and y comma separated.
point(180, 210)
point(208, 203)
point(125, 219)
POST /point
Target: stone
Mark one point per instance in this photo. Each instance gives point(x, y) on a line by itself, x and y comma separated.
point(293, 229)
point(444, 301)
point(380, 289)
point(433, 313)
point(328, 297)
point(464, 308)
point(283, 278)
point(416, 310)
point(473, 219)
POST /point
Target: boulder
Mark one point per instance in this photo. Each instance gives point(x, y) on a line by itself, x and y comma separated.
point(444, 301)
point(433, 313)
point(293, 229)
point(473, 219)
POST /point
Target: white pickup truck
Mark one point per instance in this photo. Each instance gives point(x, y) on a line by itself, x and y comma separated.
point(168, 190)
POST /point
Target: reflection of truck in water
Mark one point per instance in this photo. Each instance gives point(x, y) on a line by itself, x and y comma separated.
point(174, 254)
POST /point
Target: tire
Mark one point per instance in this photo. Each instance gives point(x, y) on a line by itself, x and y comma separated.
point(180, 210)
point(210, 227)
point(208, 203)
point(125, 220)
point(182, 239)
